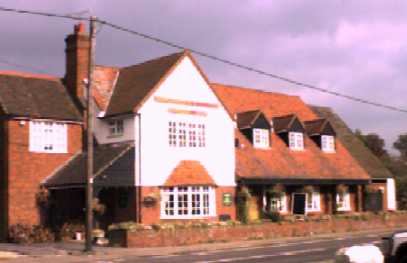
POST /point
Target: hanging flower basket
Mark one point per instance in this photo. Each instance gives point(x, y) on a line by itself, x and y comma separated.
point(276, 190)
point(244, 192)
point(369, 189)
point(98, 207)
point(150, 200)
point(341, 188)
point(42, 197)
point(309, 189)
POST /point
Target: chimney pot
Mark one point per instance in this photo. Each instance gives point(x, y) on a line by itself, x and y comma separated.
point(79, 28)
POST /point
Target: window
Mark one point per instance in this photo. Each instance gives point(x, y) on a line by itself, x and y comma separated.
point(261, 138)
point(296, 140)
point(343, 201)
point(328, 143)
point(48, 136)
point(187, 202)
point(275, 203)
point(116, 127)
point(182, 134)
point(313, 202)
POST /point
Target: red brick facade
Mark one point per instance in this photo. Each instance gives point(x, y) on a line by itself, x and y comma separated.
point(25, 170)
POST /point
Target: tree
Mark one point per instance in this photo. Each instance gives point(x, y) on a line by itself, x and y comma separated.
point(401, 146)
point(373, 142)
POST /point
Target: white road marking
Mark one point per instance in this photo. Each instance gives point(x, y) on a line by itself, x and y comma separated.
point(166, 256)
point(288, 253)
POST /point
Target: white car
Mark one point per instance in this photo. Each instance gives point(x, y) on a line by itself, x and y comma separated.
point(395, 247)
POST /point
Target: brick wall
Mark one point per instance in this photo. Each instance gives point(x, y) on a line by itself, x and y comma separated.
point(188, 236)
point(27, 169)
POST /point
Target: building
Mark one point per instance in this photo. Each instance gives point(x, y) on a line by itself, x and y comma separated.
point(170, 146)
point(40, 129)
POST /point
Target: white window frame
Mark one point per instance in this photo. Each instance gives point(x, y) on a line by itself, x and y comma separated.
point(116, 127)
point(315, 202)
point(328, 143)
point(261, 138)
point(192, 210)
point(281, 203)
point(296, 141)
point(48, 137)
point(345, 204)
point(186, 134)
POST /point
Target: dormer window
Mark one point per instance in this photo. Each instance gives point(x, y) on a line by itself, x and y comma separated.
point(322, 133)
point(255, 127)
point(296, 141)
point(261, 138)
point(328, 143)
point(116, 127)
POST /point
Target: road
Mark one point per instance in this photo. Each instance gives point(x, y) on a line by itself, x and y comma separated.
point(307, 250)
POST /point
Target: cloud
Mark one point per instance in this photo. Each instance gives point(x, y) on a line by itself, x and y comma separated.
point(353, 47)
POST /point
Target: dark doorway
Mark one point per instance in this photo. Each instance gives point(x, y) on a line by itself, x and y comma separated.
point(299, 204)
point(374, 201)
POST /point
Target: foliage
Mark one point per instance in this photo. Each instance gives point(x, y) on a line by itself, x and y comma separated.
point(374, 142)
point(309, 189)
point(98, 207)
point(276, 190)
point(274, 216)
point(68, 230)
point(243, 204)
point(401, 145)
point(27, 234)
point(341, 188)
point(42, 197)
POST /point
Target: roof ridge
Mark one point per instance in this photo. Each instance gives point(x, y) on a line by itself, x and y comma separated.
point(152, 60)
point(29, 75)
point(231, 86)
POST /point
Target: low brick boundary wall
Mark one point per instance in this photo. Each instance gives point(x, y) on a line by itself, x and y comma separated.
point(195, 235)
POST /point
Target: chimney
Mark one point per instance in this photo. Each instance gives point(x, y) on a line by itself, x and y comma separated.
point(77, 59)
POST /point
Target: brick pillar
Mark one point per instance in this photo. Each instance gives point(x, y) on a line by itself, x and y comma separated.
point(329, 203)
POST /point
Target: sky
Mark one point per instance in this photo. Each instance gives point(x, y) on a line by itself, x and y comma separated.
point(354, 47)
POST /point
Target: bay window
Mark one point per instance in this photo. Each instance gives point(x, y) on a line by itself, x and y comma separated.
point(187, 202)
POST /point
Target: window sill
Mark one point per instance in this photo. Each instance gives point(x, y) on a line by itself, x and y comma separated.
point(112, 136)
point(329, 152)
point(262, 148)
point(346, 209)
point(186, 217)
point(297, 150)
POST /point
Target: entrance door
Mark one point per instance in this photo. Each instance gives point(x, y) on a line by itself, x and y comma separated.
point(299, 204)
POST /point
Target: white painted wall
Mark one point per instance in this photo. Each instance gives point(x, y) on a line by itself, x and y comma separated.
point(102, 132)
point(391, 194)
point(158, 159)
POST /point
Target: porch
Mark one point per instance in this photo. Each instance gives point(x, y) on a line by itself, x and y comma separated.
point(263, 198)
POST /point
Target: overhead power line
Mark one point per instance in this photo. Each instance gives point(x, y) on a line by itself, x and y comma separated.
point(17, 65)
point(212, 57)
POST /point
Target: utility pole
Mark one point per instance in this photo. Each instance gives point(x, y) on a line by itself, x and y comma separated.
point(89, 135)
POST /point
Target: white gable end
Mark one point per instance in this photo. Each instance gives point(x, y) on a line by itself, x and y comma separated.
point(185, 100)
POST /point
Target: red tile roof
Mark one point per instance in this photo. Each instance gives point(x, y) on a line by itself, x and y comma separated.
point(104, 81)
point(189, 173)
point(279, 162)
